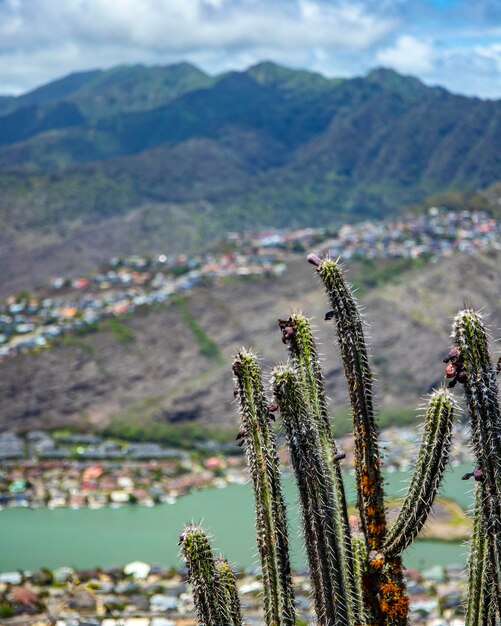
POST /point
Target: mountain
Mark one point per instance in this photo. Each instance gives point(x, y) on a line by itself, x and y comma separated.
point(159, 376)
point(170, 156)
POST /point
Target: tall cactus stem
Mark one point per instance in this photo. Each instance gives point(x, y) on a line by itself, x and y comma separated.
point(316, 499)
point(481, 391)
point(271, 525)
point(306, 364)
point(229, 590)
point(208, 594)
point(428, 473)
point(351, 339)
point(386, 582)
point(481, 606)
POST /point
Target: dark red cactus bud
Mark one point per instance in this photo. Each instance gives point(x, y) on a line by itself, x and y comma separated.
point(314, 259)
point(271, 408)
point(452, 355)
point(339, 456)
point(329, 315)
point(287, 334)
point(241, 434)
point(182, 537)
point(462, 377)
point(477, 474)
point(450, 370)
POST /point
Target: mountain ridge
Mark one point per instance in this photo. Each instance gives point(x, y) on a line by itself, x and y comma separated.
point(267, 146)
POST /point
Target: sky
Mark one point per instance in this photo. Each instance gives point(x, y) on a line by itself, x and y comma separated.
point(452, 43)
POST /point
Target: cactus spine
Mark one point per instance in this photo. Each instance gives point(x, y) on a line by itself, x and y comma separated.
point(263, 463)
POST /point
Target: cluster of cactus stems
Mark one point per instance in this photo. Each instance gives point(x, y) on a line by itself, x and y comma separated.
point(355, 569)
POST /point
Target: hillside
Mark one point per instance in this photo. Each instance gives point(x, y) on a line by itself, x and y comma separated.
point(150, 370)
point(170, 156)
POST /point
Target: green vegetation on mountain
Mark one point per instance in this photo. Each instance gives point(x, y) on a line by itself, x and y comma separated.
point(269, 146)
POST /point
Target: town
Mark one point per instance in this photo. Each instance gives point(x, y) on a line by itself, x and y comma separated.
point(81, 470)
point(30, 321)
point(142, 594)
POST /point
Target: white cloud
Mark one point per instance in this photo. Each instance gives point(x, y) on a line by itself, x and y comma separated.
point(100, 32)
point(408, 55)
point(41, 40)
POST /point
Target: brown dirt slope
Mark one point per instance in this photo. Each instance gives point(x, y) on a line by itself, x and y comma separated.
point(160, 373)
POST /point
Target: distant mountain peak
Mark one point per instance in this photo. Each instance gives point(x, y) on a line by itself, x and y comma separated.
point(388, 77)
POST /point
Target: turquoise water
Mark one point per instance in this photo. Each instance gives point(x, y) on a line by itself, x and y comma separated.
point(105, 537)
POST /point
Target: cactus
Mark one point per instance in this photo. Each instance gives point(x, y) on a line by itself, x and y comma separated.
point(263, 463)
point(297, 332)
point(473, 368)
point(332, 599)
point(229, 591)
point(356, 576)
point(212, 586)
point(430, 466)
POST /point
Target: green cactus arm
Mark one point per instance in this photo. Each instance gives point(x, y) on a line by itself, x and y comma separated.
point(428, 473)
point(317, 504)
point(481, 605)
point(474, 364)
point(386, 583)
point(271, 525)
point(229, 592)
point(351, 340)
point(306, 364)
point(204, 579)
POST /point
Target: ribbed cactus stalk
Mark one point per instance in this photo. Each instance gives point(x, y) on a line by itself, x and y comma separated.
point(332, 598)
point(359, 550)
point(209, 592)
point(429, 470)
point(229, 591)
point(263, 463)
point(351, 340)
point(471, 360)
point(481, 605)
point(385, 584)
point(308, 371)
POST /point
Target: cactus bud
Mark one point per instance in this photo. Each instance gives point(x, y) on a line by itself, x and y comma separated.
point(329, 315)
point(287, 334)
point(477, 474)
point(313, 259)
point(450, 370)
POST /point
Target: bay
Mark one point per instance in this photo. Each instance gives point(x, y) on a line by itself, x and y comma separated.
point(88, 538)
